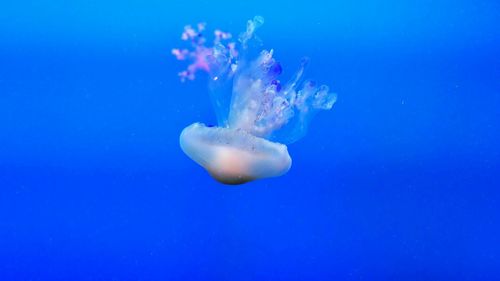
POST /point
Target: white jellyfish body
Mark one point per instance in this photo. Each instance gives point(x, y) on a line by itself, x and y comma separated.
point(234, 156)
point(257, 115)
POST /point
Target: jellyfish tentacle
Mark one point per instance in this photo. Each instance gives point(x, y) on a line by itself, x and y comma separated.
point(252, 25)
point(258, 102)
point(298, 74)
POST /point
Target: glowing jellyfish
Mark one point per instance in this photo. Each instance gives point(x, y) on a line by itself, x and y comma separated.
point(256, 114)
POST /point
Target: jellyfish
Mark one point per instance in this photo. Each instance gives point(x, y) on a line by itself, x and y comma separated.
point(257, 114)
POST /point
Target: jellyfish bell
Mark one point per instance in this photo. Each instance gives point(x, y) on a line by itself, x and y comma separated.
point(233, 156)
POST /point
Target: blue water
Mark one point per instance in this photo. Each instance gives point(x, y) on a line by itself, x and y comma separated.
point(399, 181)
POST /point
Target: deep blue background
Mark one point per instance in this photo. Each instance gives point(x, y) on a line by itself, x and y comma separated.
point(400, 181)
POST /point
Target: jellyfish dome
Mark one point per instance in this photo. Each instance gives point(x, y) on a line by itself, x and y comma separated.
point(234, 156)
point(257, 115)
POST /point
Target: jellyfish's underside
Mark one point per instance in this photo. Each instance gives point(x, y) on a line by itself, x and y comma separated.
point(257, 114)
point(234, 156)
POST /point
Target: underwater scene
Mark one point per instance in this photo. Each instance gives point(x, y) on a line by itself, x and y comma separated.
point(250, 140)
